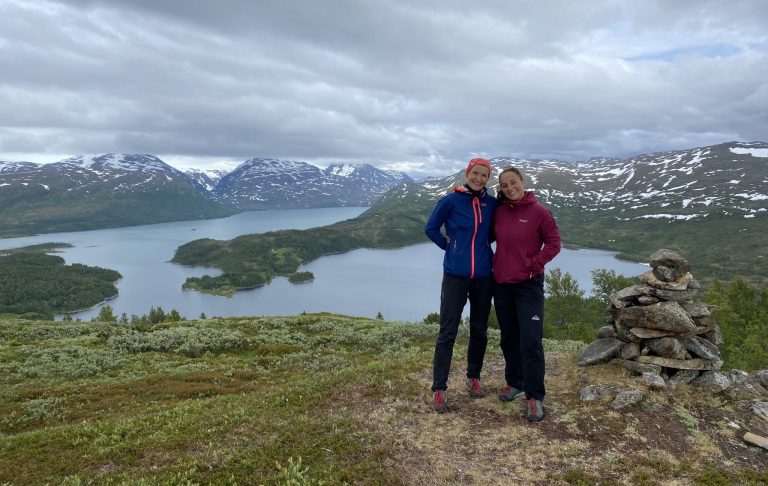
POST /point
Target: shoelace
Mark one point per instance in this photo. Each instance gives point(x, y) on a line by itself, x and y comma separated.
point(438, 398)
point(476, 385)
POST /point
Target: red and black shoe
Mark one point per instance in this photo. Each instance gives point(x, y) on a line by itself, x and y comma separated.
point(439, 403)
point(508, 393)
point(535, 410)
point(474, 388)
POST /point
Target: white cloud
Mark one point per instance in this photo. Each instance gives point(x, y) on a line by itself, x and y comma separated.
point(417, 85)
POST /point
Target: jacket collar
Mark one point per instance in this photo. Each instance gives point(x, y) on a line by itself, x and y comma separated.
point(466, 190)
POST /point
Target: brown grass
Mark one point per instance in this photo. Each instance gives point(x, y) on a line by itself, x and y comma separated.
point(485, 441)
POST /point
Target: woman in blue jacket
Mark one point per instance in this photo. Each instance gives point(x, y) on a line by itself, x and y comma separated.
point(466, 214)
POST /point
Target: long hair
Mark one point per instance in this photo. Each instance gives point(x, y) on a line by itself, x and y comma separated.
point(500, 197)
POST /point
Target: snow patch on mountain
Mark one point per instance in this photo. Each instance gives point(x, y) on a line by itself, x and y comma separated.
point(754, 152)
point(107, 163)
point(8, 167)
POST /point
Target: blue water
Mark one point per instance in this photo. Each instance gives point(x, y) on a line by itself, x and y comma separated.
point(402, 284)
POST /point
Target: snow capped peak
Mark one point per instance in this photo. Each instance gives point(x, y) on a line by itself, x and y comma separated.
point(123, 162)
point(7, 166)
point(274, 166)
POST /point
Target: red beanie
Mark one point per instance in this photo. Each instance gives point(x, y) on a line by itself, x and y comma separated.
point(478, 161)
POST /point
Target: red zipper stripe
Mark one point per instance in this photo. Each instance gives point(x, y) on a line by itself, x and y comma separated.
point(475, 212)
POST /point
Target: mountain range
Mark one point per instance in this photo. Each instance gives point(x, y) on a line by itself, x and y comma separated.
point(281, 184)
point(89, 192)
point(711, 203)
point(113, 190)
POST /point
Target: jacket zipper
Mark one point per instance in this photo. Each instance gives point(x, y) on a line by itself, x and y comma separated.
point(475, 213)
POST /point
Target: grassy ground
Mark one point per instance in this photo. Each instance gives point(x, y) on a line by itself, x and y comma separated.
point(328, 399)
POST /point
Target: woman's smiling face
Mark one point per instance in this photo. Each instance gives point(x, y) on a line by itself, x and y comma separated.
point(511, 185)
point(478, 177)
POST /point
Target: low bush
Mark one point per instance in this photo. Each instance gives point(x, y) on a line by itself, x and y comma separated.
point(189, 341)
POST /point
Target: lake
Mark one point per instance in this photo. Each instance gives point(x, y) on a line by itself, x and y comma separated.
point(402, 284)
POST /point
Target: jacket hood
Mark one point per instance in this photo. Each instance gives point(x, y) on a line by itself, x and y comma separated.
point(527, 199)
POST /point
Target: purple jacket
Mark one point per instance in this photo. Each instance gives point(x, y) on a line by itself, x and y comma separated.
point(527, 238)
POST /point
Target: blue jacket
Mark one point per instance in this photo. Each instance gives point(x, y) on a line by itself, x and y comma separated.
point(467, 220)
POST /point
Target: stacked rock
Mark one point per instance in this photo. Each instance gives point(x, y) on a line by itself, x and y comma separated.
point(655, 328)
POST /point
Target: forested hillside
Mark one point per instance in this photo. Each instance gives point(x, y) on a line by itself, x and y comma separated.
point(36, 285)
point(253, 260)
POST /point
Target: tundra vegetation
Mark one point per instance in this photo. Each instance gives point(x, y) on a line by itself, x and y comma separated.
point(325, 399)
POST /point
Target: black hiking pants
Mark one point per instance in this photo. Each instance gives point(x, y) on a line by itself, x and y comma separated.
point(453, 296)
point(520, 310)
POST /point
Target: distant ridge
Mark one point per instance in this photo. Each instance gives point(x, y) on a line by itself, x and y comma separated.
point(99, 191)
point(712, 200)
point(283, 184)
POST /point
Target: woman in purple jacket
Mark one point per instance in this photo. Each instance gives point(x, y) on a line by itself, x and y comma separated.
point(527, 238)
point(466, 214)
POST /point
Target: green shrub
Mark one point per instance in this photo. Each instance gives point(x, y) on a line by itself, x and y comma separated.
point(189, 341)
point(69, 362)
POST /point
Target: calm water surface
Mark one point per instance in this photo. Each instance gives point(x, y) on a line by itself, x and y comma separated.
point(402, 284)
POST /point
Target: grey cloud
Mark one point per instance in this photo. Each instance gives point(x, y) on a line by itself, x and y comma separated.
point(417, 84)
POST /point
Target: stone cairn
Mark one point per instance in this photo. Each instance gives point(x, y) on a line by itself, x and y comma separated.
point(656, 330)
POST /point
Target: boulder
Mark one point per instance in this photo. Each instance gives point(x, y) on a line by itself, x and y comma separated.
point(606, 332)
point(695, 309)
point(644, 333)
point(647, 300)
point(667, 347)
point(671, 259)
point(761, 410)
point(652, 380)
point(701, 347)
point(623, 333)
point(712, 381)
point(738, 376)
point(676, 295)
point(604, 349)
point(637, 367)
point(704, 323)
point(630, 351)
point(714, 336)
point(679, 283)
point(591, 393)
point(762, 377)
point(665, 273)
point(682, 377)
point(625, 296)
point(681, 364)
point(667, 316)
point(742, 390)
point(627, 398)
point(755, 439)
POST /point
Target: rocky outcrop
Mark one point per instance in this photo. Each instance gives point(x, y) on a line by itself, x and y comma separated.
point(656, 327)
point(658, 332)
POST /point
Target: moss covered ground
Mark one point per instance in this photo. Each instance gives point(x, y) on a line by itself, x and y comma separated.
point(327, 399)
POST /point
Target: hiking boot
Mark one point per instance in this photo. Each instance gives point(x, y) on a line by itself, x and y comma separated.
point(439, 403)
point(474, 388)
point(508, 393)
point(535, 410)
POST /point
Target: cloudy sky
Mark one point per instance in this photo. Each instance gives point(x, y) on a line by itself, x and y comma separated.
point(420, 86)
